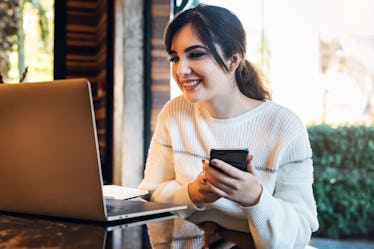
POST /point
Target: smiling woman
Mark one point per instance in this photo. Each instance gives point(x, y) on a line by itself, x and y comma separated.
point(224, 104)
point(251, 16)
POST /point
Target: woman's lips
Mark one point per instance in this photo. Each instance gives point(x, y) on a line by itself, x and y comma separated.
point(190, 83)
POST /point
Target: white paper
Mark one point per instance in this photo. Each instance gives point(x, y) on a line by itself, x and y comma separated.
point(121, 192)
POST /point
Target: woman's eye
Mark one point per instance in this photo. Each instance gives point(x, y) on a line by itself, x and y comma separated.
point(196, 55)
point(173, 59)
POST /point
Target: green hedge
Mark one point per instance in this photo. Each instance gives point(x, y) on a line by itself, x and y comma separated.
point(344, 180)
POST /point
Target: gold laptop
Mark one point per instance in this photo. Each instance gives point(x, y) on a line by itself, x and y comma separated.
point(49, 156)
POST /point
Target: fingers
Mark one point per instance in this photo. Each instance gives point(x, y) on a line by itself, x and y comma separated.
point(208, 172)
point(222, 178)
point(227, 177)
point(221, 168)
point(232, 183)
point(203, 177)
point(250, 167)
point(205, 164)
point(228, 169)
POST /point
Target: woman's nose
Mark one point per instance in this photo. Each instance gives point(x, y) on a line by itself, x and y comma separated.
point(183, 67)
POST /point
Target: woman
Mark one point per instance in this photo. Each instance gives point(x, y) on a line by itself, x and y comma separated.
point(225, 105)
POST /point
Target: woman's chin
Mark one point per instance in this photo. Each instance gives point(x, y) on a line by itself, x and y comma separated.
point(193, 98)
point(193, 95)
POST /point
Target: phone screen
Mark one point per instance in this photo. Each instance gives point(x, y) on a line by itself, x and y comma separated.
point(235, 157)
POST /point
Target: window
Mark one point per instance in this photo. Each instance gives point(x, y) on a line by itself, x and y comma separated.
point(317, 55)
point(26, 32)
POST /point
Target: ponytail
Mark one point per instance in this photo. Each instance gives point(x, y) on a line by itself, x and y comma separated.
point(250, 82)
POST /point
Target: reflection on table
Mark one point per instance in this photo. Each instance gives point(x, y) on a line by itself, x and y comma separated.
point(161, 231)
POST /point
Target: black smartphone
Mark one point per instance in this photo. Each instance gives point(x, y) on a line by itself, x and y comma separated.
point(235, 157)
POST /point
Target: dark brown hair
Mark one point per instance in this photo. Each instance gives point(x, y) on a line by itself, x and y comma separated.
point(218, 26)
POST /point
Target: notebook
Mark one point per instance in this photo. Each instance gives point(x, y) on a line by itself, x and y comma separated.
point(49, 155)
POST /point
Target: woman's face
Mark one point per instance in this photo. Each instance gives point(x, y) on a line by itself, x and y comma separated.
point(195, 71)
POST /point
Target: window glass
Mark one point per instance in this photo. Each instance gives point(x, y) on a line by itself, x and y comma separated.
point(318, 56)
point(26, 30)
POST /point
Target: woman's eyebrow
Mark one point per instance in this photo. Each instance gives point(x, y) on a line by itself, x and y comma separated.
point(190, 48)
point(194, 47)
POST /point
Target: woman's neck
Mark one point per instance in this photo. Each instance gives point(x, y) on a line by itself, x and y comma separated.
point(224, 108)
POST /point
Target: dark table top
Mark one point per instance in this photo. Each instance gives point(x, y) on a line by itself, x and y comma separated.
point(161, 231)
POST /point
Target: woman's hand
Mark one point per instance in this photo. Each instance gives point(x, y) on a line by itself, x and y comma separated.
point(200, 190)
point(233, 184)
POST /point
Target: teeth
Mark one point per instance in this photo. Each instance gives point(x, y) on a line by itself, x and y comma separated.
point(191, 83)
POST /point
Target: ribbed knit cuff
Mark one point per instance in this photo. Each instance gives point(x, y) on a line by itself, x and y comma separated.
point(181, 196)
point(259, 214)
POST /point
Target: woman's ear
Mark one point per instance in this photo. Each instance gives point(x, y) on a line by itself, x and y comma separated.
point(234, 62)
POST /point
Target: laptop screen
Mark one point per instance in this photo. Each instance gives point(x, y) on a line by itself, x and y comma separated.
point(49, 157)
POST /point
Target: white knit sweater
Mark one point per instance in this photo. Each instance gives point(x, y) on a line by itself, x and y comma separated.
point(286, 214)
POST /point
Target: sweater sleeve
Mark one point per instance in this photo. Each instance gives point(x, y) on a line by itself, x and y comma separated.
point(287, 217)
point(159, 175)
point(159, 180)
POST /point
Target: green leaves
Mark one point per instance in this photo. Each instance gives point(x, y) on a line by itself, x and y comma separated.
point(8, 32)
point(344, 179)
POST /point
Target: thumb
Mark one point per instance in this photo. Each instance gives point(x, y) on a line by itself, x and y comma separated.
point(250, 167)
